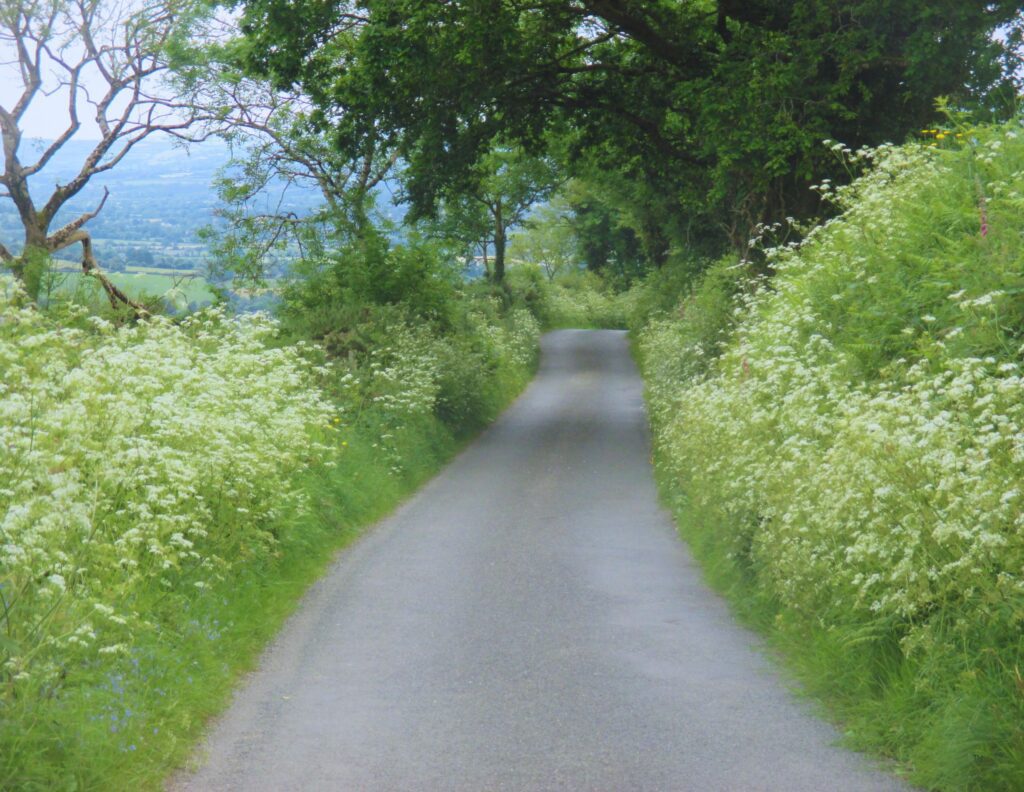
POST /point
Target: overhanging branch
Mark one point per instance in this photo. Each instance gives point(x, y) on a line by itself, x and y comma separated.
point(639, 27)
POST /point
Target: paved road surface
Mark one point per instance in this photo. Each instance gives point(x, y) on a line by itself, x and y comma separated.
point(528, 621)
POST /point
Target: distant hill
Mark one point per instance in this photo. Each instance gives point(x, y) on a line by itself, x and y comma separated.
point(160, 196)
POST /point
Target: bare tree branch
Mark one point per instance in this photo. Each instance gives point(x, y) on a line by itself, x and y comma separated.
point(59, 46)
point(91, 269)
point(56, 240)
point(72, 127)
point(276, 147)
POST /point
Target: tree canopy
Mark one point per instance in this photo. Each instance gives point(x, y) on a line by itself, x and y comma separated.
point(714, 110)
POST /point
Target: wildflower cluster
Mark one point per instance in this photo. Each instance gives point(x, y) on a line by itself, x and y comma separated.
point(416, 372)
point(407, 373)
point(940, 136)
point(124, 451)
point(857, 447)
point(514, 340)
point(401, 377)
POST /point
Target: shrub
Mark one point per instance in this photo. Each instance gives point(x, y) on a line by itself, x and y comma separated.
point(334, 292)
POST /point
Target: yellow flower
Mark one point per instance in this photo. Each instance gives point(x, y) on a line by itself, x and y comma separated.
point(940, 136)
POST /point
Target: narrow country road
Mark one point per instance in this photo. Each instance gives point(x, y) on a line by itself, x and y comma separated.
point(529, 620)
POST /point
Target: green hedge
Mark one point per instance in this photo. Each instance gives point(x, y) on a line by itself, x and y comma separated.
point(170, 489)
point(843, 445)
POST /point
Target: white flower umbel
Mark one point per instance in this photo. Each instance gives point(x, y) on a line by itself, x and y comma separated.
point(860, 443)
point(153, 455)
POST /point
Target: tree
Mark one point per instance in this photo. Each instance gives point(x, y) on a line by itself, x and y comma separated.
point(505, 183)
point(466, 226)
point(279, 161)
point(107, 60)
point(548, 239)
point(720, 105)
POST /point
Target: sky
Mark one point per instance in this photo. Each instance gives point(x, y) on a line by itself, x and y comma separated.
point(48, 116)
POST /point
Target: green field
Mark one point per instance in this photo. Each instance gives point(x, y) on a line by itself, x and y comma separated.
point(174, 273)
point(190, 288)
point(180, 289)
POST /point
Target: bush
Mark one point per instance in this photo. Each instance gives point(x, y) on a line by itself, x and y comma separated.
point(526, 286)
point(332, 293)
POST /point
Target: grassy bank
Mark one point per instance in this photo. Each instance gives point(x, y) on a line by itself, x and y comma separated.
point(843, 446)
point(171, 489)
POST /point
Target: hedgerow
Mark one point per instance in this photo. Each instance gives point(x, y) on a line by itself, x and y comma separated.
point(168, 488)
point(844, 445)
point(577, 299)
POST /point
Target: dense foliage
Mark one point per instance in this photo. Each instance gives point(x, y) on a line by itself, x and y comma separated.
point(704, 117)
point(844, 444)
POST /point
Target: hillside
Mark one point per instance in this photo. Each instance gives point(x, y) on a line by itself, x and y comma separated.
point(160, 195)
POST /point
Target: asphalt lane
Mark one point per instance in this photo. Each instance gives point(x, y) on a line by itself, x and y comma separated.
point(528, 621)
